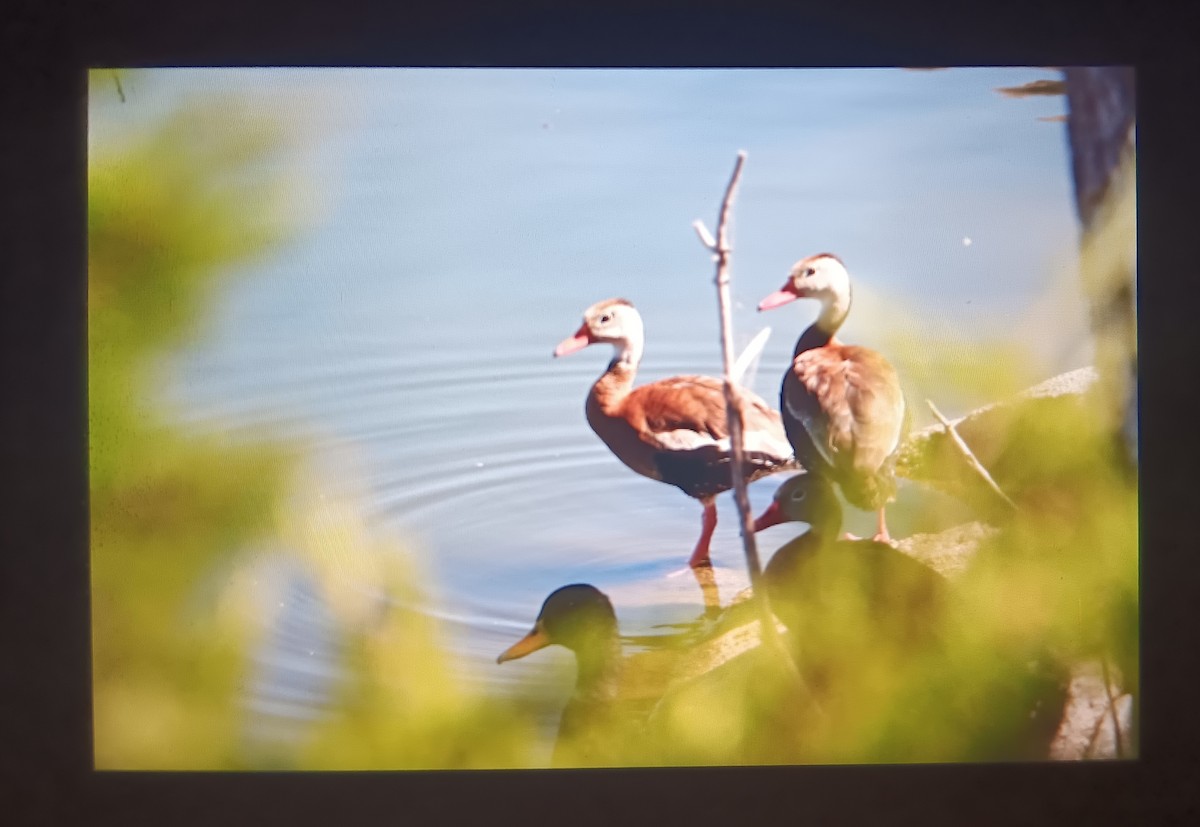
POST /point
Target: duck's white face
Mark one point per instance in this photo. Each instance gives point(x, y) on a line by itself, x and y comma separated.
point(612, 321)
point(820, 277)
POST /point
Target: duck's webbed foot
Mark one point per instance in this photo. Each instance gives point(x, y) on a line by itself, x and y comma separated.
point(881, 535)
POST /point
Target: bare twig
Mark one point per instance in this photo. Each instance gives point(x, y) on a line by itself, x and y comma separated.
point(733, 407)
point(970, 457)
point(720, 250)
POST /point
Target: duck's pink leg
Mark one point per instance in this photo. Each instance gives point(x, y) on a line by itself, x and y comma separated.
point(881, 535)
point(700, 555)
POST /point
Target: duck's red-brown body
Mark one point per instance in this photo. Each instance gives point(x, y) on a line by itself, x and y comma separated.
point(674, 430)
point(842, 406)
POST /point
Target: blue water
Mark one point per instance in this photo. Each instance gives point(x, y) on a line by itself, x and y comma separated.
point(459, 221)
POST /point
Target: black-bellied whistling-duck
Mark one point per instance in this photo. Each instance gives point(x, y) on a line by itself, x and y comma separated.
point(859, 614)
point(816, 580)
point(860, 611)
point(842, 406)
point(674, 430)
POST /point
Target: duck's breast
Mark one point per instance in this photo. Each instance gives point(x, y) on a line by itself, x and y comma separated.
point(623, 439)
point(848, 401)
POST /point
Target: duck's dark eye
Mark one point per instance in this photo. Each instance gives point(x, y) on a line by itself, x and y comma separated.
point(799, 494)
point(811, 271)
point(605, 319)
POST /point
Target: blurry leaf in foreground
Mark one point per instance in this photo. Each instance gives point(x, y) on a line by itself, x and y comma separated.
point(172, 201)
point(403, 703)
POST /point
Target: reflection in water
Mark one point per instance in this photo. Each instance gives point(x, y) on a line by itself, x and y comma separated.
point(707, 582)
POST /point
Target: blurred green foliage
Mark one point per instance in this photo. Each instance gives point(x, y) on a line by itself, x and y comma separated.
point(1056, 587)
point(164, 504)
point(177, 202)
point(402, 705)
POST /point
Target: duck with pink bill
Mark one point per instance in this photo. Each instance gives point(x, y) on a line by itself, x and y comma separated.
point(674, 430)
point(809, 579)
point(842, 407)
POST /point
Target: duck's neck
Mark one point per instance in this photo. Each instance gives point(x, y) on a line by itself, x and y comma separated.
point(627, 354)
point(834, 311)
point(599, 668)
point(617, 381)
point(812, 337)
point(825, 526)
